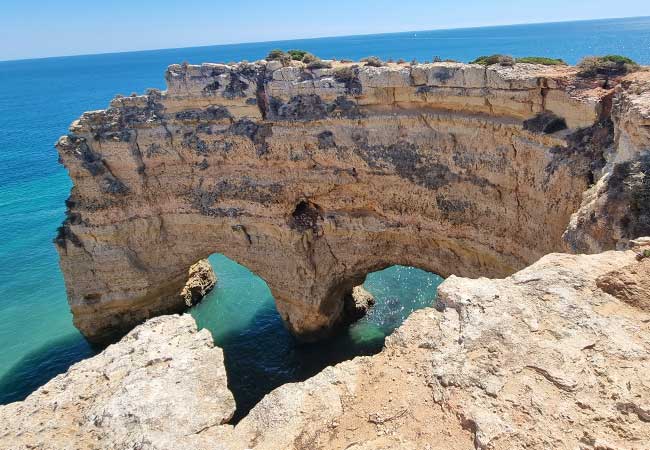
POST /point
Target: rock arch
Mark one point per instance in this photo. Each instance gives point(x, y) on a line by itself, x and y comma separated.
point(312, 185)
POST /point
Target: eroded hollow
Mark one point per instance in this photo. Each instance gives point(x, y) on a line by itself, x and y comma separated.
point(261, 355)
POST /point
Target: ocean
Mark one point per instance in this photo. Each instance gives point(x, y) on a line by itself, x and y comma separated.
point(39, 99)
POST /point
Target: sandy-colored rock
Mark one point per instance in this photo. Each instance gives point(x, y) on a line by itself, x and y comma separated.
point(543, 359)
point(201, 280)
point(163, 387)
point(358, 303)
point(313, 179)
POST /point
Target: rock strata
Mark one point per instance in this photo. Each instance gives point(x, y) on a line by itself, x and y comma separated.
point(314, 178)
point(550, 357)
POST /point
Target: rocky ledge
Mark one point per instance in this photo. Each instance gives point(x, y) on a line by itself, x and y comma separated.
point(555, 356)
point(314, 178)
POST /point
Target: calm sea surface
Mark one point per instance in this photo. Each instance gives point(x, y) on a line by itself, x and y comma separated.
point(39, 99)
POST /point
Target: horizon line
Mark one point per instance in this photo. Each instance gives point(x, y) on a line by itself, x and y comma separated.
point(314, 38)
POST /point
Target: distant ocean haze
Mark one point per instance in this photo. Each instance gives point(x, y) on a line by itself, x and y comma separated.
point(40, 98)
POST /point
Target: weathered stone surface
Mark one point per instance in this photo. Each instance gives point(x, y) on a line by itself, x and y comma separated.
point(312, 179)
point(163, 387)
point(542, 359)
point(358, 303)
point(201, 280)
point(548, 358)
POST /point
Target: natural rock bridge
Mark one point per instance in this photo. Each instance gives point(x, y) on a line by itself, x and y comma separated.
point(314, 178)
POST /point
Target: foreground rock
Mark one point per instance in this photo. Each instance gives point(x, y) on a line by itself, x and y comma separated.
point(554, 357)
point(163, 386)
point(314, 178)
point(544, 359)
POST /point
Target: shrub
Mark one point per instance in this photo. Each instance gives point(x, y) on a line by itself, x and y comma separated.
point(503, 60)
point(346, 60)
point(401, 61)
point(390, 60)
point(344, 74)
point(276, 55)
point(608, 65)
point(541, 60)
point(297, 55)
point(414, 62)
point(319, 64)
point(309, 58)
point(437, 59)
point(373, 61)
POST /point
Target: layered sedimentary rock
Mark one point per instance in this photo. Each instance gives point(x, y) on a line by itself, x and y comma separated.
point(551, 357)
point(314, 178)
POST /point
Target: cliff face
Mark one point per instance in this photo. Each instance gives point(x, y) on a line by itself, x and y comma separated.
point(552, 357)
point(312, 179)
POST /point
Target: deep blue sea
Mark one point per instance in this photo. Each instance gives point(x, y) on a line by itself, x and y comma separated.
point(38, 100)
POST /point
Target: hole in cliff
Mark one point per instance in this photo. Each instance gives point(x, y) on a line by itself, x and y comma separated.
point(261, 355)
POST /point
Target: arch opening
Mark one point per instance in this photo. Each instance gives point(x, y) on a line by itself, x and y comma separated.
point(259, 351)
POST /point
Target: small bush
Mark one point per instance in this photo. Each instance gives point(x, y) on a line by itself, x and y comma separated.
point(437, 59)
point(276, 55)
point(541, 60)
point(401, 61)
point(297, 55)
point(608, 65)
point(346, 61)
point(390, 60)
point(344, 74)
point(319, 64)
point(414, 62)
point(373, 61)
point(309, 58)
point(503, 60)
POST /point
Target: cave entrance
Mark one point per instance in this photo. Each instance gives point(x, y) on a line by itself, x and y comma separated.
point(261, 355)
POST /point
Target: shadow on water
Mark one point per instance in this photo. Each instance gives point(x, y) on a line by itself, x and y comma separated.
point(41, 365)
point(261, 355)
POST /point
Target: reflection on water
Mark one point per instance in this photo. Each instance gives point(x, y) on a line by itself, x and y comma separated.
point(259, 352)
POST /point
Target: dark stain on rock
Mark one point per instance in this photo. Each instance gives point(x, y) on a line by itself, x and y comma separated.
point(256, 132)
point(212, 112)
point(235, 88)
point(305, 216)
point(326, 140)
point(545, 122)
point(629, 184)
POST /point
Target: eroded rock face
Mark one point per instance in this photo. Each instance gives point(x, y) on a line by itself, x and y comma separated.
point(312, 179)
point(163, 386)
point(547, 358)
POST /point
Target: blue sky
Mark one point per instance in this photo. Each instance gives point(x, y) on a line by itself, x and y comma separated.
point(37, 28)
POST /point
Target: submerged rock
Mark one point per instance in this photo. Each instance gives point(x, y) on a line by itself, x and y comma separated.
point(200, 282)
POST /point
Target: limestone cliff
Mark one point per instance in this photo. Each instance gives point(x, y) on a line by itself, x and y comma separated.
point(314, 178)
point(552, 357)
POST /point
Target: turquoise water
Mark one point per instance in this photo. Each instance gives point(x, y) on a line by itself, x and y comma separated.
point(39, 99)
point(259, 352)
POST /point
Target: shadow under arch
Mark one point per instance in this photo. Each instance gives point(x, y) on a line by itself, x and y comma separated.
point(260, 354)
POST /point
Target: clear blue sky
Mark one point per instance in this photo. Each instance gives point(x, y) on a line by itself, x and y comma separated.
point(36, 28)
